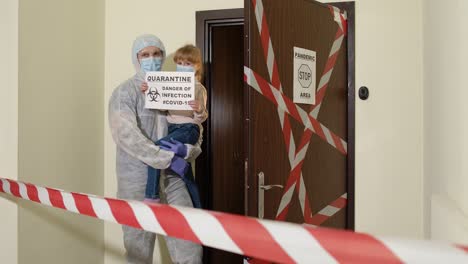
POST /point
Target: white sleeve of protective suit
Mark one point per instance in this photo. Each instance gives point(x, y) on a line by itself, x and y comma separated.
point(127, 134)
point(193, 151)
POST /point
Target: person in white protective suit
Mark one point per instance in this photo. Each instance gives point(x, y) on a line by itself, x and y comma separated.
point(134, 130)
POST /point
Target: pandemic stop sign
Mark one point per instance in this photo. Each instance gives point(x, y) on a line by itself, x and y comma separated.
point(304, 76)
point(169, 90)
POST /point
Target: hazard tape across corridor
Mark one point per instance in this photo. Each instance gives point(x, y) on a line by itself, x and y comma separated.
point(278, 242)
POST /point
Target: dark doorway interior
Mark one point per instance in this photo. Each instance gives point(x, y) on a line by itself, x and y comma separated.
point(226, 83)
point(220, 169)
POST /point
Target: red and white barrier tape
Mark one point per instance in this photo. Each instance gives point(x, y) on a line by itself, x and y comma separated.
point(327, 212)
point(311, 124)
point(268, 240)
point(286, 104)
point(272, 66)
point(296, 158)
point(295, 179)
point(341, 202)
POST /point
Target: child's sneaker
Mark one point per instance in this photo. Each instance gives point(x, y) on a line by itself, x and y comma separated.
point(152, 201)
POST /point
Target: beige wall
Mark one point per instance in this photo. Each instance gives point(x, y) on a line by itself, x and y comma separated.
point(174, 23)
point(445, 119)
point(61, 54)
point(9, 126)
point(389, 125)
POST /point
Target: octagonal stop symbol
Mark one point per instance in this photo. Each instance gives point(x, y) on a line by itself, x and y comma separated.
point(305, 76)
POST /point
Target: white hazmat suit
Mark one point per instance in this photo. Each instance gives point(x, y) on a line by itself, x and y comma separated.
point(134, 130)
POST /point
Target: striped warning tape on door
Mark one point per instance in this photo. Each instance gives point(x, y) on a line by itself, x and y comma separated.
point(296, 157)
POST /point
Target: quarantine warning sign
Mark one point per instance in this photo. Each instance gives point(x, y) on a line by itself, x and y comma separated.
point(169, 90)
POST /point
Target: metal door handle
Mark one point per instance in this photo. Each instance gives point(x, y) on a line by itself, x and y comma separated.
point(261, 193)
point(268, 187)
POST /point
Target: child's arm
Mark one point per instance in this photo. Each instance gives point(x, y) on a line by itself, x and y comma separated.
point(200, 113)
point(144, 87)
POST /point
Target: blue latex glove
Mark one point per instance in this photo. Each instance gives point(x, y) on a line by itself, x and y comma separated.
point(175, 146)
point(179, 166)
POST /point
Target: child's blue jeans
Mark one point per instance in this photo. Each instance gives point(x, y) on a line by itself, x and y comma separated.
point(186, 133)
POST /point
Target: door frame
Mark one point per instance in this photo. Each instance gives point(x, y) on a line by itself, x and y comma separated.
point(205, 21)
point(349, 7)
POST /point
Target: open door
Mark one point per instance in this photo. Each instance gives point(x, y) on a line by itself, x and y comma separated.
point(287, 172)
point(297, 154)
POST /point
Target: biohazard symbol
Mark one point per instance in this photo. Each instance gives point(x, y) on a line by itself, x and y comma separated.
point(154, 95)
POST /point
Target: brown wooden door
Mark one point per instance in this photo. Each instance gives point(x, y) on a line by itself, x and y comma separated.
point(310, 164)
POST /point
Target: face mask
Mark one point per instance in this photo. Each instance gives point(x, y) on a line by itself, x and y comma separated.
point(182, 68)
point(151, 64)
